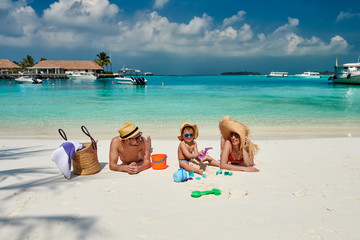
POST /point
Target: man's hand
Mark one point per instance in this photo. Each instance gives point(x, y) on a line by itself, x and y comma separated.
point(133, 168)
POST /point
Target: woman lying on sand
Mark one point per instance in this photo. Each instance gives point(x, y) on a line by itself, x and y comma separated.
point(237, 151)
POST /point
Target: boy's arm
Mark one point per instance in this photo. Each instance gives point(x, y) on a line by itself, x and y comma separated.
point(186, 153)
point(113, 158)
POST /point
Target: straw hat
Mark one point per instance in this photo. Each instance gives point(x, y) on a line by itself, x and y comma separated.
point(196, 130)
point(227, 126)
point(128, 130)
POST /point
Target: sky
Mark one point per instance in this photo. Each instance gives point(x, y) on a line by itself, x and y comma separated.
point(185, 36)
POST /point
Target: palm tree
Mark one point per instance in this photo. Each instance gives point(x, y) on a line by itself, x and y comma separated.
point(27, 62)
point(43, 59)
point(103, 59)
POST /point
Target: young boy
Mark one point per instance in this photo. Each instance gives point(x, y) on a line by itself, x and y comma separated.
point(188, 150)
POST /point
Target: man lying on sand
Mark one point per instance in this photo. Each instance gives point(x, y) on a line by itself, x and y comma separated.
point(132, 149)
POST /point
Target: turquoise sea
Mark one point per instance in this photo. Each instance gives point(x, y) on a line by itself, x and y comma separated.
point(271, 107)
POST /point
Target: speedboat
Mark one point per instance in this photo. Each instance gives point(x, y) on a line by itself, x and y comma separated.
point(131, 80)
point(82, 75)
point(28, 79)
point(130, 76)
point(308, 75)
point(348, 73)
point(277, 74)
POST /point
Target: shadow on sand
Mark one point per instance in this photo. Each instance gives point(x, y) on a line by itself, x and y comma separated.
point(48, 227)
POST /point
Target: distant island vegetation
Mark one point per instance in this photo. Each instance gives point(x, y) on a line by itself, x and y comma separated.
point(240, 73)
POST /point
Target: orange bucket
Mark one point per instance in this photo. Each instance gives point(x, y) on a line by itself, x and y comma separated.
point(158, 161)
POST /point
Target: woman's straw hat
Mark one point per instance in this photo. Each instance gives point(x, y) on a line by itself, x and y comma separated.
point(193, 126)
point(128, 130)
point(228, 125)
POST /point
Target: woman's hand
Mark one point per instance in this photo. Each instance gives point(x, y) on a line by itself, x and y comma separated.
point(247, 142)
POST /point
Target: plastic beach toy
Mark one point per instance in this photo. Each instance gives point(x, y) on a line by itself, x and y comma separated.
point(218, 172)
point(205, 151)
point(197, 194)
point(180, 175)
point(228, 173)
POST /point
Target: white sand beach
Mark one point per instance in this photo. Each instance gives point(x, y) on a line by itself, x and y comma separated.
point(306, 189)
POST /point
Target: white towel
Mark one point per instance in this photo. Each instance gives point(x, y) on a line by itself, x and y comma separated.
point(63, 155)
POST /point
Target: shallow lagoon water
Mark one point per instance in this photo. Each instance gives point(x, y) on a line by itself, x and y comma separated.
point(285, 107)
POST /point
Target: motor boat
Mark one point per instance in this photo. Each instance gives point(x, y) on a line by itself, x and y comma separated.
point(28, 79)
point(82, 75)
point(308, 75)
point(131, 80)
point(277, 74)
point(348, 73)
point(130, 76)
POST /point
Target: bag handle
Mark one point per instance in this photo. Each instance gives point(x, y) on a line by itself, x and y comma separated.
point(62, 134)
point(84, 129)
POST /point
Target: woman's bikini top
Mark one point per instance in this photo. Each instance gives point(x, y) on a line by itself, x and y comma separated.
point(230, 158)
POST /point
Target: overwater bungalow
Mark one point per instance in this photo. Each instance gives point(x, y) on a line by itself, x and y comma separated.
point(47, 68)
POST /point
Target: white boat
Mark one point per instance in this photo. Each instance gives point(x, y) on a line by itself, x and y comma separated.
point(130, 76)
point(82, 75)
point(28, 79)
point(308, 75)
point(348, 73)
point(277, 74)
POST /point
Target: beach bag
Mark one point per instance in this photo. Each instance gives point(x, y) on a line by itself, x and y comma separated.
point(180, 175)
point(85, 161)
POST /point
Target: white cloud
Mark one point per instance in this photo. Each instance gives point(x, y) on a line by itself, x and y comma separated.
point(346, 15)
point(235, 18)
point(96, 24)
point(158, 4)
point(196, 25)
point(292, 23)
point(80, 13)
point(19, 23)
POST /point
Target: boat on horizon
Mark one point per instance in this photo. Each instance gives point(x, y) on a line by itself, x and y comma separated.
point(308, 75)
point(131, 77)
point(81, 75)
point(348, 73)
point(28, 79)
point(277, 74)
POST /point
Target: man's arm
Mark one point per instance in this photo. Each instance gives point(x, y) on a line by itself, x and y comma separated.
point(145, 155)
point(114, 156)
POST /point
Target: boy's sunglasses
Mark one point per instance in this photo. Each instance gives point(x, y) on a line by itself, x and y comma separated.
point(186, 135)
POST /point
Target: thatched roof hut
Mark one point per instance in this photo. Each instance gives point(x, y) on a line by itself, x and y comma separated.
point(58, 67)
point(6, 64)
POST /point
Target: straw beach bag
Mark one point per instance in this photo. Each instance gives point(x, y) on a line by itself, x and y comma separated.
point(85, 161)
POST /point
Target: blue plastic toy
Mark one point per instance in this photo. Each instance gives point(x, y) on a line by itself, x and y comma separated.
point(219, 172)
point(180, 175)
point(228, 173)
point(191, 174)
point(204, 175)
point(201, 156)
point(198, 178)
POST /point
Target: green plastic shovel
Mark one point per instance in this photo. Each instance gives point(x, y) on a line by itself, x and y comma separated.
point(197, 194)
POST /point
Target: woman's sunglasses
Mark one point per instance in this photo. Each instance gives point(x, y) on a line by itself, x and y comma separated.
point(234, 134)
point(186, 135)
